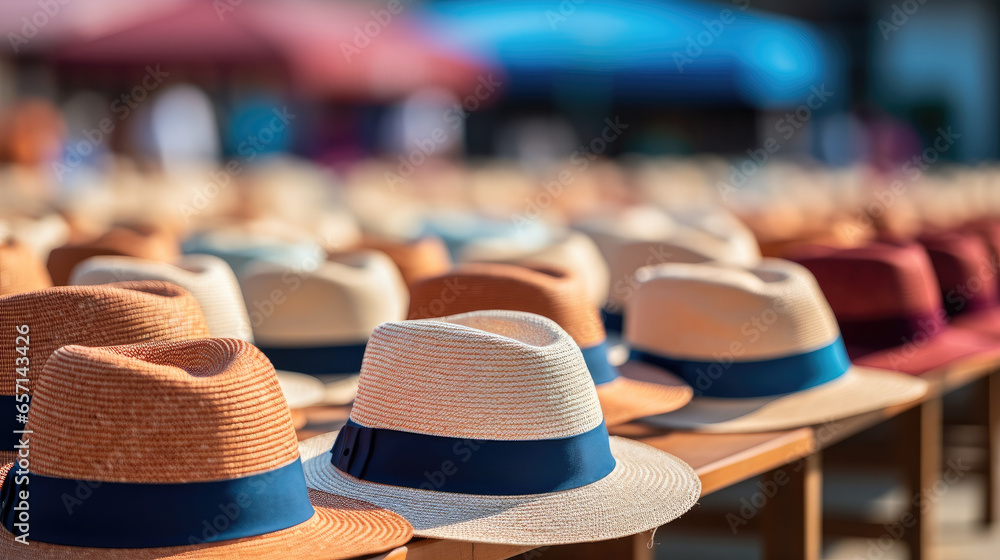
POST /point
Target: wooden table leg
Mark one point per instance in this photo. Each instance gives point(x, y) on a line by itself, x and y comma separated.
point(993, 448)
point(920, 455)
point(791, 525)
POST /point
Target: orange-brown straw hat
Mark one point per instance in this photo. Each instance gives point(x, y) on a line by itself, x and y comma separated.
point(20, 269)
point(416, 259)
point(561, 296)
point(38, 323)
point(180, 449)
point(145, 243)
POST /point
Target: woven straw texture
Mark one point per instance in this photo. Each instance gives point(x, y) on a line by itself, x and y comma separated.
point(187, 411)
point(500, 375)
point(341, 302)
point(20, 269)
point(120, 313)
point(572, 251)
point(157, 245)
point(558, 295)
point(417, 259)
point(209, 279)
point(771, 311)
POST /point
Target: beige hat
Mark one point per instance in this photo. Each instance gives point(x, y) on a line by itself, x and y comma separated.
point(643, 236)
point(760, 347)
point(571, 250)
point(317, 322)
point(486, 427)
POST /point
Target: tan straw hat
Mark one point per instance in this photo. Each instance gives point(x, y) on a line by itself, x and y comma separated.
point(559, 295)
point(40, 322)
point(180, 449)
point(20, 269)
point(486, 427)
point(760, 347)
point(570, 250)
point(317, 322)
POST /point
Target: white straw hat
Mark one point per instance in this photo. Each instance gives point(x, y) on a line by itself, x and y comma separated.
point(213, 285)
point(317, 322)
point(571, 250)
point(486, 427)
point(760, 347)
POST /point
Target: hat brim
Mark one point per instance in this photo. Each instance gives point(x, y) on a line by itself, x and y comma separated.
point(858, 391)
point(301, 390)
point(952, 347)
point(340, 528)
point(641, 390)
point(647, 488)
point(335, 389)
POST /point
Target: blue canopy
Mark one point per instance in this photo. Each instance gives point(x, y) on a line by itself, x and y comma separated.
point(676, 50)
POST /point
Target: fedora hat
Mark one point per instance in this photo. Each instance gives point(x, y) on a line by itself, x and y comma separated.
point(121, 313)
point(889, 308)
point(760, 347)
point(139, 241)
point(20, 268)
point(571, 250)
point(317, 322)
point(416, 258)
point(643, 236)
point(559, 295)
point(181, 449)
point(474, 425)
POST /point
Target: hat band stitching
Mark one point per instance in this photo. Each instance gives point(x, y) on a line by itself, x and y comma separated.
point(146, 515)
point(600, 368)
point(728, 378)
point(317, 360)
point(473, 466)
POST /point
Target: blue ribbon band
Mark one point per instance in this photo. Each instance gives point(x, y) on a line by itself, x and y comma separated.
point(600, 368)
point(317, 360)
point(613, 321)
point(9, 423)
point(762, 378)
point(466, 466)
point(126, 515)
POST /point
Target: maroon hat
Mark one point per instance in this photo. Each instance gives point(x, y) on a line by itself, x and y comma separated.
point(889, 307)
point(967, 272)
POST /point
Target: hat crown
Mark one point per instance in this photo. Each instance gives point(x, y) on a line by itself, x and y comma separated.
point(340, 302)
point(700, 312)
point(547, 291)
point(106, 315)
point(169, 412)
point(494, 375)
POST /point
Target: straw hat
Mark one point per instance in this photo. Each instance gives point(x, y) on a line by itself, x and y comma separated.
point(560, 296)
point(570, 250)
point(417, 259)
point(121, 313)
point(490, 423)
point(759, 346)
point(184, 449)
point(243, 244)
point(888, 304)
point(643, 236)
point(42, 233)
point(20, 269)
point(317, 322)
point(145, 243)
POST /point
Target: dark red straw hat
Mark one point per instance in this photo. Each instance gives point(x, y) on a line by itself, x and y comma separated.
point(966, 269)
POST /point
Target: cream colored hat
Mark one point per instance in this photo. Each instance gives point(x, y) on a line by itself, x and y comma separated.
point(317, 322)
point(476, 427)
point(643, 236)
point(571, 250)
point(760, 347)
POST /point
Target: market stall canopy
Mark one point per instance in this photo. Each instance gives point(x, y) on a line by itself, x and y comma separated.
point(672, 50)
point(329, 49)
